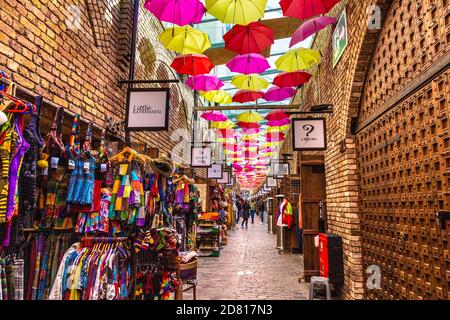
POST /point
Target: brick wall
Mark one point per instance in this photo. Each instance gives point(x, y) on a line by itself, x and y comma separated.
point(77, 65)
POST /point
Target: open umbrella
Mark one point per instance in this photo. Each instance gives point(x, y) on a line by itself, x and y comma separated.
point(275, 137)
point(252, 38)
point(249, 82)
point(226, 133)
point(249, 117)
point(214, 116)
point(298, 59)
point(305, 9)
point(279, 94)
point(278, 129)
point(192, 64)
point(236, 11)
point(181, 12)
point(249, 131)
point(185, 40)
point(291, 79)
point(279, 123)
point(249, 125)
point(217, 96)
point(244, 96)
point(223, 125)
point(310, 27)
point(205, 82)
point(276, 115)
point(248, 63)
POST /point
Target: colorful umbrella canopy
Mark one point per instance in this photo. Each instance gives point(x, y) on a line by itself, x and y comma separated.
point(278, 129)
point(249, 117)
point(252, 38)
point(244, 96)
point(237, 167)
point(217, 96)
point(249, 125)
point(226, 133)
point(192, 64)
point(205, 82)
point(310, 27)
point(276, 115)
point(249, 131)
point(291, 79)
point(214, 116)
point(249, 82)
point(181, 12)
point(279, 123)
point(275, 137)
point(236, 11)
point(248, 63)
point(266, 150)
point(305, 9)
point(298, 59)
point(279, 94)
point(223, 125)
point(185, 40)
point(231, 147)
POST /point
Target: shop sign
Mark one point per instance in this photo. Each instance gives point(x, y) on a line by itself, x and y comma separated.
point(271, 182)
point(225, 178)
point(309, 134)
point(279, 170)
point(201, 157)
point(215, 172)
point(266, 188)
point(147, 109)
point(340, 38)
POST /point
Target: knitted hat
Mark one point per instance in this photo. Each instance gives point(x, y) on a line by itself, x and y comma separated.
point(163, 166)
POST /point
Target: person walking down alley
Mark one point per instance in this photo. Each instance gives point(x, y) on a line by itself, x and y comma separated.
point(245, 214)
point(261, 209)
point(252, 211)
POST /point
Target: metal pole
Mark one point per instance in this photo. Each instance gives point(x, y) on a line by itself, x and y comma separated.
point(132, 58)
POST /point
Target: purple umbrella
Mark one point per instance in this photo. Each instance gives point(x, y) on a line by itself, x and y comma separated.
point(248, 63)
point(180, 12)
point(279, 94)
point(310, 27)
point(205, 82)
point(279, 123)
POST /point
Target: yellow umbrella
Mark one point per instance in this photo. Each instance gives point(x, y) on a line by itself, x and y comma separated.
point(278, 129)
point(249, 117)
point(225, 140)
point(236, 11)
point(250, 137)
point(297, 59)
point(223, 125)
point(251, 82)
point(217, 96)
point(185, 40)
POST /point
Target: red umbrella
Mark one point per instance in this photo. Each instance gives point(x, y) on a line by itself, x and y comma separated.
point(192, 64)
point(249, 125)
point(277, 115)
point(226, 133)
point(243, 96)
point(252, 38)
point(305, 9)
point(291, 79)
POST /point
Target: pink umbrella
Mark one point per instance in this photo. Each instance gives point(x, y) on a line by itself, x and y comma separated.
point(248, 63)
point(310, 27)
point(205, 82)
point(279, 94)
point(180, 12)
point(276, 115)
point(237, 167)
point(279, 123)
point(266, 150)
point(215, 116)
point(275, 137)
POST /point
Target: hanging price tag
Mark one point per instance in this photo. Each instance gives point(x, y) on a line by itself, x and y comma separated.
point(54, 162)
point(86, 167)
point(45, 171)
point(103, 167)
point(71, 164)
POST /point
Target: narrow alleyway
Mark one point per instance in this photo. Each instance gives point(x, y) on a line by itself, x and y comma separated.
point(250, 267)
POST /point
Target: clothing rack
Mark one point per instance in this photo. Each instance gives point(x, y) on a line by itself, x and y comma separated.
point(87, 241)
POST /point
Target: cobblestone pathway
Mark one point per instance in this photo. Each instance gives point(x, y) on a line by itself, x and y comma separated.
point(250, 268)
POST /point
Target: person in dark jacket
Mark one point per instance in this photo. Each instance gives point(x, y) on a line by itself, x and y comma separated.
point(245, 214)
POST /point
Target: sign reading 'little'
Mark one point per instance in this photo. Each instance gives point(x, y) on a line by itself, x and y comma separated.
point(148, 109)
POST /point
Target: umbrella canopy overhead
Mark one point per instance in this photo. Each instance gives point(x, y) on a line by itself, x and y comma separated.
point(180, 12)
point(310, 27)
point(305, 9)
point(298, 59)
point(279, 123)
point(248, 63)
point(244, 96)
point(217, 96)
point(205, 82)
point(185, 40)
point(252, 38)
point(249, 117)
point(192, 64)
point(214, 116)
point(248, 125)
point(223, 125)
point(251, 82)
point(291, 79)
point(276, 115)
point(226, 133)
point(279, 94)
point(236, 11)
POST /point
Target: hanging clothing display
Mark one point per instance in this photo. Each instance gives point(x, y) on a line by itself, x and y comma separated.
point(285, 214)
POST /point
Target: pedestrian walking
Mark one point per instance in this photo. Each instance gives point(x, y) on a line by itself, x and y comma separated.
point(252, 211)
point(245, 214)
point(261, 209)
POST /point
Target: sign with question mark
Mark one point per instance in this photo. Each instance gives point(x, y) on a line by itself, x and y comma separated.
point(309, 134)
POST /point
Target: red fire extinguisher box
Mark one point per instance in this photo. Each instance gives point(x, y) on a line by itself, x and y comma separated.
point(331, 262)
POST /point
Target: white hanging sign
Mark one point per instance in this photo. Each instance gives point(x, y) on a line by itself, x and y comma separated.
point(215, 172)
point(201, 157)
point(309, 134)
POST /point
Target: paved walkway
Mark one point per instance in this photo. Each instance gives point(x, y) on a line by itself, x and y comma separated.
point(250, 268)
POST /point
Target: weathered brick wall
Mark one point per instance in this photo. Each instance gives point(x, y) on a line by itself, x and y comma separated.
point(79, 68)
